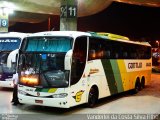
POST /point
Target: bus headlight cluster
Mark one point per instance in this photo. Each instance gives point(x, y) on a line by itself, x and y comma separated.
point(29, 80)
point(22, 92)
point(62, 95)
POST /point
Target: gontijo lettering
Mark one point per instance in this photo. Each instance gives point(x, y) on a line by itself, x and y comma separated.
point(134, 65)
point(148, 64)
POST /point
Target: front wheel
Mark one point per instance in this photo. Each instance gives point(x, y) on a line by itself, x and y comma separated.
point(92, 97)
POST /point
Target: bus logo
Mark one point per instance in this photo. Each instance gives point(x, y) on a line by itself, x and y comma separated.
point(78, 96)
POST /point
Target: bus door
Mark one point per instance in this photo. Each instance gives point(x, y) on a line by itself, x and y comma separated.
point(78, 80)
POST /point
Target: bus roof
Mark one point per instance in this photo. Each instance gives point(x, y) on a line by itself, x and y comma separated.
point(13, 34)
point(75, 34)
point(116, 37)
point(61, 33)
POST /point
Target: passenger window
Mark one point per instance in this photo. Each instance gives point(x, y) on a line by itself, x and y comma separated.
point(107, 54)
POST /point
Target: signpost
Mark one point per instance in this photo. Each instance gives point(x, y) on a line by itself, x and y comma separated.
point(68, 15)
point(3, 21)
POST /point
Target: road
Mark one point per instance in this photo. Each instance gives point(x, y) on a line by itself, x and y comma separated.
point(147, 101)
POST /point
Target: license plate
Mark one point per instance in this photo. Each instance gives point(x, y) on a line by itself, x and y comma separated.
point(39, 101)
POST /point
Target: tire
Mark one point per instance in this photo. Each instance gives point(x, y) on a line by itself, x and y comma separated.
point(137, 87)
point(143, 83)
point(92, 97)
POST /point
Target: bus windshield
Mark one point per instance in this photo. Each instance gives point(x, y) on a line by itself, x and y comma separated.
point(7, 45)
point(47, 44)
point(43, 59)
point(3, 63)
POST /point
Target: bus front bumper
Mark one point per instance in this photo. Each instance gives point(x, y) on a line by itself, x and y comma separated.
point(51, 102)
point(8, 84)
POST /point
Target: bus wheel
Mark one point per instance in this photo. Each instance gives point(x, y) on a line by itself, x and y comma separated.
point(92, 97)
point(137, 87)
point(143, 83)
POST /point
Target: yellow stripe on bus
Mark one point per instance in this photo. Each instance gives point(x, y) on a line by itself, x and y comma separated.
point(52, 90)
point(124, 75)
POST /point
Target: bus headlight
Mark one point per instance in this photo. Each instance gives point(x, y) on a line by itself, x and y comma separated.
point(62, 95)
point(31, 80)
point(22, 92)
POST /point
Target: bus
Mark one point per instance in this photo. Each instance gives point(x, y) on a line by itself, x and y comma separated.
point(68, 68)
point(9, 45)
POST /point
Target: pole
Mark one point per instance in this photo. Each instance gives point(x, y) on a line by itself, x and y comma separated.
point(3, 19)
point(68, 15)
point(49, 23)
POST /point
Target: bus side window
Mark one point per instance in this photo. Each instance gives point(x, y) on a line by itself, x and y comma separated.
point(125, 55)
point(92, 54)
point(116, 55)
point(107, 54)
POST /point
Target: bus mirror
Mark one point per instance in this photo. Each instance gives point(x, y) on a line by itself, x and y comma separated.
point(12, 58)
point(67, 61)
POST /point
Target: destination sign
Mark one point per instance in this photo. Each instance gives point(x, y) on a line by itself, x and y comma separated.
point(8, 40)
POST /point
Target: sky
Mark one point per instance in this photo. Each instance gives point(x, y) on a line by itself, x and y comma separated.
point(136, 22)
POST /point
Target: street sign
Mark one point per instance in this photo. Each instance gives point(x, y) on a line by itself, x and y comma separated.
point(68, 11)
point(3, 23)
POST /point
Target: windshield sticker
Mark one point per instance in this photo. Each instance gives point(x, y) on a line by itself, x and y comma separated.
point(44, 56)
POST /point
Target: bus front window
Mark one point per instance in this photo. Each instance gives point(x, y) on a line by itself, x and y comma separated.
point(7, 45)
point(78, 59)
point(5, 72)
point(42, 64)
point(48, 68)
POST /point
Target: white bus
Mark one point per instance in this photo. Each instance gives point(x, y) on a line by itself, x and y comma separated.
point(69, 68)
point(9, 45)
